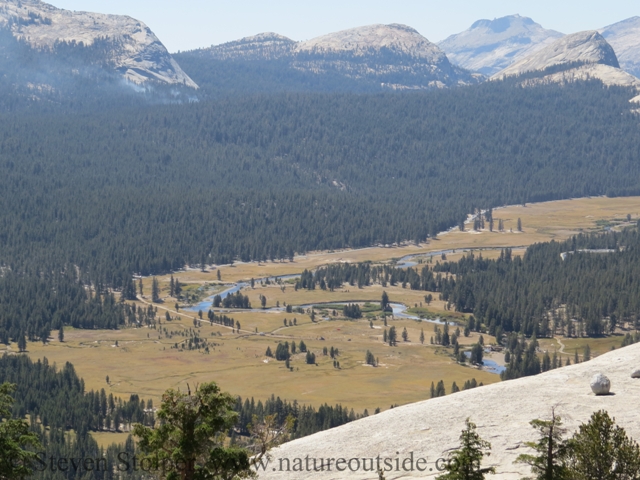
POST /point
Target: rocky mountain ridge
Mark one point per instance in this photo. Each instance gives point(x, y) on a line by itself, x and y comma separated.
point(579, 56)
point(582, 47)
point(264, 46)
point(489, 46)
point(624, 37)
point(131, 48)
point(371, 57)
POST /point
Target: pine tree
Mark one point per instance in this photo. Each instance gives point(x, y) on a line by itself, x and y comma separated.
point(193, 427)
point(405, 335)
point(432, 391)
point(155, 291)
point(440, 390)
point(392, 337)
point(61, 334)
point(384, 302)
point(370, 359)
point(466, 462)
point(548, 462)
point(17, 443)
point(601, 450)
point(22, 343)
point(310, 358)
point(519, 225)
point(422, 336)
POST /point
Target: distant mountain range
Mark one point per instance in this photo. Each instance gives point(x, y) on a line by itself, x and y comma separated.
point(368, 58)
point(493, 46)
point(45, 50)
point(489, 46)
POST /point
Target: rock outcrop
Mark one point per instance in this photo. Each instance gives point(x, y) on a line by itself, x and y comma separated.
point(502, 412)
point(581, 47)
point(264, 46)
point(369, 58)
point(373, 39)
point(127, 45)
point(578, 56)
point(624, 37)
point(489, 46)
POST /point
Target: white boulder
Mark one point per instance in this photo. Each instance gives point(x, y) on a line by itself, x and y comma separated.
point(600, 384)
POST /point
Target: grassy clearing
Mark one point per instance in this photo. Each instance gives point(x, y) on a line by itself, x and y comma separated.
point(147, 365)
point(106, 439)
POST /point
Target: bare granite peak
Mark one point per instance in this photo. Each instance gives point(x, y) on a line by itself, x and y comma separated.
point(137, 53)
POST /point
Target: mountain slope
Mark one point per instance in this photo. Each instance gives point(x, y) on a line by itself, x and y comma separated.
point(583, 47)
point(364, 59)
point(258, 47)
point(431, 428)
point(489, 46)
point(624, 37)
point(580, 56)
point(117, 43)
point(372, 39)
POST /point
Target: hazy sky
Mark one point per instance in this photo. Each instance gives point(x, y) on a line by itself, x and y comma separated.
point(189, 24)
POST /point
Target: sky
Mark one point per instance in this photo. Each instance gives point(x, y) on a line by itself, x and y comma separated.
point(191, 24)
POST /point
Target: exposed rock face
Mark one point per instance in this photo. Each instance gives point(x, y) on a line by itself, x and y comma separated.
point(580, 56)
point(264, 46)
point(502, 412)
point(636, 374)
point(380, 56)
point(385, 51)
point(600, 384)
point(583, 47)
point(132, 48)
point(624, 37)
point(608, 75)
point(372, 39)
point(489, 46)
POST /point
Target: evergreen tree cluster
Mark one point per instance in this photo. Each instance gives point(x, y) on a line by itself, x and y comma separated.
point(308, 420)
point(233, 300)
point(33, 305)
point(57, 398)
point(352, 310)
point(555, 288)
point(439, 390)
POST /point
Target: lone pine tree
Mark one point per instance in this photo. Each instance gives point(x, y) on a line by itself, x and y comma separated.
point(465, 463)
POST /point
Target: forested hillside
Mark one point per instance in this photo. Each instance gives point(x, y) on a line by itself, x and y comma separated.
point(150, 190)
